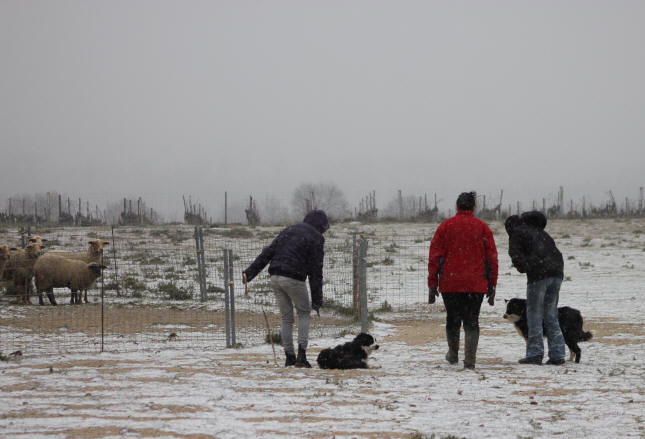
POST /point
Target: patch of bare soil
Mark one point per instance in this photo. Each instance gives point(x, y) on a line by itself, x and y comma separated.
point(95, 364)
point(605, 329)
point(20, 387)
point(433, 329)
point(100, 432)
point(126, 320)
point(363, 434)
point(176, 409)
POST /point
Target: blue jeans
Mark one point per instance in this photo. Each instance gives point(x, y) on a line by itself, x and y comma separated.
point(542, 314)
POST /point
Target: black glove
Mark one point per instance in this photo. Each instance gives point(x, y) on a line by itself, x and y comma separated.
point(433, 293)
point(491, 295)
point(316, 307)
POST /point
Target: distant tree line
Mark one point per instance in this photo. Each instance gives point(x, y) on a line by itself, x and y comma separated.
point(54, 209)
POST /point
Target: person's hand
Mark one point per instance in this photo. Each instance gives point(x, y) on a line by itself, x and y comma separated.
point(316, 307)
point(433, 293)
point(491, 295)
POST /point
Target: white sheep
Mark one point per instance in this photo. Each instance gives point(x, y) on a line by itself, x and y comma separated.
point(20, 268)
point(51, 271)
point(94, 253)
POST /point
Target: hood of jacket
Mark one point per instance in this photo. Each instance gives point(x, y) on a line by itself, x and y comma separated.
point(535, 219)
point(317, 219)
point(511, 223)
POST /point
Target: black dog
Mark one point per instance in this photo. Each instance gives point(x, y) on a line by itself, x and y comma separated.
point(350, 355)
point(570, 321)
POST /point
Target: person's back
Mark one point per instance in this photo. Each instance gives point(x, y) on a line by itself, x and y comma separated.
point(533, 250)
point(463, 264)
point(466, 252)
point(297, 253)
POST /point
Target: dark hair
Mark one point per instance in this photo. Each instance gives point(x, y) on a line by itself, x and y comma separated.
point(466, 200)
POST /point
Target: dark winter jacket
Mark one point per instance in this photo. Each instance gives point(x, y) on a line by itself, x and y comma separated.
point(532, 250)
point(463, 256)
point(297, 252)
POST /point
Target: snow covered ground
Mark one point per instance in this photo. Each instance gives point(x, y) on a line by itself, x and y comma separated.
point(410, 391)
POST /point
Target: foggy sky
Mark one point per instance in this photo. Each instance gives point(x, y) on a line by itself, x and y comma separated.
point(106, 99)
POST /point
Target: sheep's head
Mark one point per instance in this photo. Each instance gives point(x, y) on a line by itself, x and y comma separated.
point(96, 269)
point(33, 250)
point(38, 240)
point(96, 246)
point(4, 257)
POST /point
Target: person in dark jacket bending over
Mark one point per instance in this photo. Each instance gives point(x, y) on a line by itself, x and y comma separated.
point(463, 265)
point(533, 251)
point(295, 254)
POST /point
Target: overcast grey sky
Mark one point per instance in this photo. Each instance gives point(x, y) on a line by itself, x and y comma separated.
point(104, 99)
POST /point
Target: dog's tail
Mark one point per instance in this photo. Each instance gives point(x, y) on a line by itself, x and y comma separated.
point(585, 336)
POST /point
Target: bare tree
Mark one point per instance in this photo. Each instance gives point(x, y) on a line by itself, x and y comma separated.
point(274, 211)
point(325, 196)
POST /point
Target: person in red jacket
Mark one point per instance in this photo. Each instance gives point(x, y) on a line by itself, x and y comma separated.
point(463, 266)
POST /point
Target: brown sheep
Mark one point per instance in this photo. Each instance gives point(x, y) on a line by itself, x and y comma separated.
point(94, 253)
point(52, 271)
point(4, 257)
point(38, 240)
point(20, 269)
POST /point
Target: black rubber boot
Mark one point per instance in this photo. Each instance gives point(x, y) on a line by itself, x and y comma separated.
point(301, 361)
point(471, 340)
point(452, 335)
point(291, 359)
point(531, 360)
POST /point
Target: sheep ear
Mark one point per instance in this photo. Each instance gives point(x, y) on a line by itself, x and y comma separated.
point(104, 267)
point(505, 300)
point(93, 241)
point(105, 242)
point(13, 248)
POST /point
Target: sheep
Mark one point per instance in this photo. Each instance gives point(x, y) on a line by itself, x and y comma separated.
point(51, 271)
point(94, 253)
point(38, 240)
point(19, 268)
point(4, 257)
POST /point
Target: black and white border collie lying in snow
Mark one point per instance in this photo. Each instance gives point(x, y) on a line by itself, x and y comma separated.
point(350, 355)
point(570, 321)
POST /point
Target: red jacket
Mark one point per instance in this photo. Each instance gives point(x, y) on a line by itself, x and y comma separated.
point(463, 256)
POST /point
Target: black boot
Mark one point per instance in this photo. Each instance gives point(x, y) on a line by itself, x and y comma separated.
point(291, 359)
point(301, 361)
point(531, 360)
point(452, 335)
point(471, 340)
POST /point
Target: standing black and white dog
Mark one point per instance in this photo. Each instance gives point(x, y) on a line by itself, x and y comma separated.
point(570, 321)
point(350, 355)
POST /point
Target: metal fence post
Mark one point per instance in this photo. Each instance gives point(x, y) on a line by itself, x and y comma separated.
point(203, 275)
point(116, 275)
point(231, 289)
point(355, 286)
point(199, 246)
point(102, 303)
point(226, 302)
point(362, 274)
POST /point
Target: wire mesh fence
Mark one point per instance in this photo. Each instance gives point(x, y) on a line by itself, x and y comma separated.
point(154, 293)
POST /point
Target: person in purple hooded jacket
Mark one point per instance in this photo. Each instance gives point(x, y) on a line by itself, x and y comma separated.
point(296, 254)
